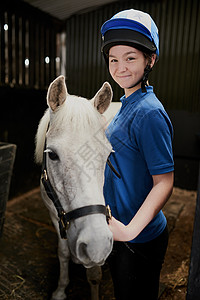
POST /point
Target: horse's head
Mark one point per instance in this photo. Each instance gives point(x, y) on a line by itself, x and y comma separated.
point(77, 150)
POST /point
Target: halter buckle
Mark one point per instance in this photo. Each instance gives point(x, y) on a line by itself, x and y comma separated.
point(108, 213)
point(44, 175)
point(65, 224)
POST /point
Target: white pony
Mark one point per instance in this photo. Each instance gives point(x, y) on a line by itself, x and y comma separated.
point(76, 153)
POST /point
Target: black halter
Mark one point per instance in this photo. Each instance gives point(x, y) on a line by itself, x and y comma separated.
point(65, 218)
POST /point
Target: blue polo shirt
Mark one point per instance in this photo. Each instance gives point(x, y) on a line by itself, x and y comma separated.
point(141, 136)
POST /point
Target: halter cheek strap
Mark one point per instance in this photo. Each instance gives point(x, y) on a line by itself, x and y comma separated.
point(65, 218)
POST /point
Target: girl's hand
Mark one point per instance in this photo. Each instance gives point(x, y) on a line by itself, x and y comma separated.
point(118, 229)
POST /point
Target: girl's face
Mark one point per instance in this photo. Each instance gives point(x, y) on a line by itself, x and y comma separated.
point(126, 66)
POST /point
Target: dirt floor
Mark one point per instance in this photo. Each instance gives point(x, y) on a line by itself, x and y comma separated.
point(28, 252)
point(176, 267)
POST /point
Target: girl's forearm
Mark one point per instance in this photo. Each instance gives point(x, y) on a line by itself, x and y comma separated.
point(156, 199)
point(154, 202)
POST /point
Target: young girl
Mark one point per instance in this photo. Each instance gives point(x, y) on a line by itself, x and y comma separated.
point(141, 136)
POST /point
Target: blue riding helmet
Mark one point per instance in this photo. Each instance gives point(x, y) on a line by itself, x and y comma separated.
point(133, 28)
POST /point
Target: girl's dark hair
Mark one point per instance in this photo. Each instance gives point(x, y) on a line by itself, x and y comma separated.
point(148, 56)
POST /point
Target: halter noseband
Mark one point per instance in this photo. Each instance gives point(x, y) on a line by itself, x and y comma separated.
point(65, 218)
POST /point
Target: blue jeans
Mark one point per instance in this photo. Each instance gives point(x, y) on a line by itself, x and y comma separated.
point(135, 268)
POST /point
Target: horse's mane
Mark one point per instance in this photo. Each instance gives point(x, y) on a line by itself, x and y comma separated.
point(76, 112)
point(40, 137)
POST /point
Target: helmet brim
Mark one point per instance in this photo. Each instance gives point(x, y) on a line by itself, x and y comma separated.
point(127, 37)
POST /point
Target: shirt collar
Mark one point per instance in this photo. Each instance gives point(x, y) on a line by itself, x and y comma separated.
point(136, 95)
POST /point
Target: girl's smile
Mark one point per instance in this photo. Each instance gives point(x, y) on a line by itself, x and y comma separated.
point(126, 66)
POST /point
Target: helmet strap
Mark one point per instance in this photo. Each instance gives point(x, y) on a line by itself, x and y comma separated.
point(145, 77)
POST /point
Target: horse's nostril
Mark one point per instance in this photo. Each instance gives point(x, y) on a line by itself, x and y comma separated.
point(83, 250)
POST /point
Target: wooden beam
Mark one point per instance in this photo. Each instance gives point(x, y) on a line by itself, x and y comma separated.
point(193, 289)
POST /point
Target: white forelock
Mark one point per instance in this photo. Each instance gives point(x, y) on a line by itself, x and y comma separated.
point(76, 112)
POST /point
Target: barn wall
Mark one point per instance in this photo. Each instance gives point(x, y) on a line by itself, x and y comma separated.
point(21, 110)
point(33, 35)
point(30, 46)
point(175, 78)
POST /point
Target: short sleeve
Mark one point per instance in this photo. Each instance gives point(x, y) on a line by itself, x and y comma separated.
point(154, 138)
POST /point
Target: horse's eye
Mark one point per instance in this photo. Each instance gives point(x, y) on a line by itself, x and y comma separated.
point(53, 155)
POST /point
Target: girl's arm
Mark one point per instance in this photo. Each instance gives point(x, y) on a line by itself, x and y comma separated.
point(154, 202)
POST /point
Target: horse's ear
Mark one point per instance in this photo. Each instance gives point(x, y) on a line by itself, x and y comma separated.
point(57, 93)
point(103, 98)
